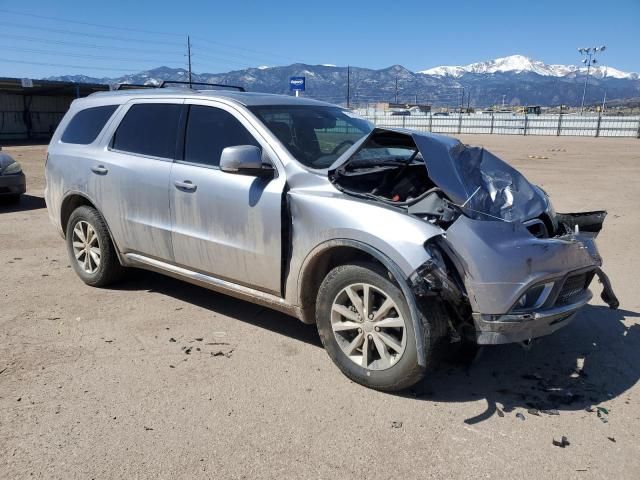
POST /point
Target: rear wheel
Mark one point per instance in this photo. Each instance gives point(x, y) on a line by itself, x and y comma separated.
point(365, 325)
point(90, 249)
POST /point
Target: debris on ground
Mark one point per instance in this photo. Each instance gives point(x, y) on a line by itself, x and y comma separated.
point(520, 416)
point(187, 350)
point(563, 442)
point(148, 428)
point(550, 411)
point(603, 414)
point(396, 424)
point(172, 340)
point(499, 412)
point(540, 157)
point(612, 439)
point(199, 339)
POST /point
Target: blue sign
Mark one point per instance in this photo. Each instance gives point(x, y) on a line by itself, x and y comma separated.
point(296, 84)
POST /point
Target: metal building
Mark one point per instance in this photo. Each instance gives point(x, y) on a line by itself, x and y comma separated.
point(30, 110)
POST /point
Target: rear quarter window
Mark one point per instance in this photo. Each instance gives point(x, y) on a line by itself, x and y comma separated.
point(85, 125)
point(149, 129)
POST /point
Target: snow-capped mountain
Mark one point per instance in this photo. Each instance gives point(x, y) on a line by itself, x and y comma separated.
point(522, 64)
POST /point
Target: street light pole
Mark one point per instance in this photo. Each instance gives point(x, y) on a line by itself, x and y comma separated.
point(590, 59)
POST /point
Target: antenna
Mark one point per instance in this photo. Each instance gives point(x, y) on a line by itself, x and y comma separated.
point(189, 57)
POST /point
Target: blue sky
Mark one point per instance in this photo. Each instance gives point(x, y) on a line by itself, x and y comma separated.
point(235, 34)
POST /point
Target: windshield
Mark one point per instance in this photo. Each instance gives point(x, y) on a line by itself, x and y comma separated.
point(315, 135)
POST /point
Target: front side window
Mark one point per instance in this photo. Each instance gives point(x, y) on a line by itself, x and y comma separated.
point(209, 131)
point(85, 126)
point(149, 129)
point(315, 135)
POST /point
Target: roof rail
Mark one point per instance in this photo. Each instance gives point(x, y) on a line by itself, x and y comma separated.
point(129, 86)
point(221, 85)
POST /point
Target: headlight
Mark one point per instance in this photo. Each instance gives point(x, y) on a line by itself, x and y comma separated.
point(12, 169)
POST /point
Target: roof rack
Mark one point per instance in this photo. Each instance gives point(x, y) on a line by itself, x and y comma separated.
point(129, 86)
point(221, 85)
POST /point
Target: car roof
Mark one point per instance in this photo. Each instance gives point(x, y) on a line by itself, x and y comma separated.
point(244, 98)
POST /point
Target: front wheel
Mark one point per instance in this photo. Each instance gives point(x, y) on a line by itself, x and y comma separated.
point(365, 325)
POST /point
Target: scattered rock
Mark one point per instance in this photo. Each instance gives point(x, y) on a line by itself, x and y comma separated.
point(199, 339)
point(499, 412)
point(612, 439)
point(563, 442)
point(148, 428)
point(396, 424)
point(172, 340)
point(520, 416)
point(533, 411)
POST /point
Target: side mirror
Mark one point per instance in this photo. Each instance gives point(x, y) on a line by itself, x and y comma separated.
point(244, 160)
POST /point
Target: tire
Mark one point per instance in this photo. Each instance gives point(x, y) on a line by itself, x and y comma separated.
point(398, 374)
point(108, 269)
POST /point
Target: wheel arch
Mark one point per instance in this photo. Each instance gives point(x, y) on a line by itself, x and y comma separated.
point(328, 255)
point(71, 201)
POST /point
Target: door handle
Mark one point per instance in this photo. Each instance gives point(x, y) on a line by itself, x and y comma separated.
point(186, 185)
point(100, 170)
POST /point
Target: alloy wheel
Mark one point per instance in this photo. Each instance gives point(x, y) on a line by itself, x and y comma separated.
point(86, 247)
point(368, 326)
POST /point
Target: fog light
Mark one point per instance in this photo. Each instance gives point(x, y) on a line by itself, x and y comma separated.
point(534, 297)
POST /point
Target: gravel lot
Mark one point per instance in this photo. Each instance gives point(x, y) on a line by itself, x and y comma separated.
point(155, 378)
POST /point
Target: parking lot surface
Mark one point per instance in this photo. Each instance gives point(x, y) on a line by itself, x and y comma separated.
point(155, 378)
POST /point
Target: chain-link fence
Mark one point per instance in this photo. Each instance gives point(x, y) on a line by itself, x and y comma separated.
point(510, 124)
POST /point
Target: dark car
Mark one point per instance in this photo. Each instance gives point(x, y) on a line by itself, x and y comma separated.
point(12, 180)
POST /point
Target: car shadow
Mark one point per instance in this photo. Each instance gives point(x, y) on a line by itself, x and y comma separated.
point(593, 359)
point(223, 304)
point(25, 203)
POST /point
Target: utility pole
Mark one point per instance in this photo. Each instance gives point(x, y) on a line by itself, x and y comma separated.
point(589, 59)
point(462, 100)
point(604, 100)
point(348, 86)
point(396, 89)
point(468, 100)
point(189, 57)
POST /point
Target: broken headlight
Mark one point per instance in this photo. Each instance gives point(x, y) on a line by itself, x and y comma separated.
point(533, 298)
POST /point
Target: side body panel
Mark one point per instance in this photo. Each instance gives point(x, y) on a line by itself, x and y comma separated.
point(229, 226)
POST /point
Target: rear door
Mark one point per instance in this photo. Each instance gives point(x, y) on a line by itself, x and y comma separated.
point(132, 178)
point(225, 225)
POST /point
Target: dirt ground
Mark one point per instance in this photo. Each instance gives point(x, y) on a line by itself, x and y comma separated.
point(155, 378)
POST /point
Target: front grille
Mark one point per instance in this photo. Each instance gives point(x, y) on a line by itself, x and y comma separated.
point(573, 288)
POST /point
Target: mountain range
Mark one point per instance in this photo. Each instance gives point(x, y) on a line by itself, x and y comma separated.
point(516, 79)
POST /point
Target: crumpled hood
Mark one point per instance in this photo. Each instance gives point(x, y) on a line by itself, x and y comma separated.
point(484, 186)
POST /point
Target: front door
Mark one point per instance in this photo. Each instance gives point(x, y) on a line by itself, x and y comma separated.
point(225, 225)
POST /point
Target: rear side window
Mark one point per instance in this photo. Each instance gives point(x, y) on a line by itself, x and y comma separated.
point(149, 129)
point(209, 131)
point(85, 126)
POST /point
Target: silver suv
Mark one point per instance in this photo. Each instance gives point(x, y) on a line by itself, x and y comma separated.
point(398, 245)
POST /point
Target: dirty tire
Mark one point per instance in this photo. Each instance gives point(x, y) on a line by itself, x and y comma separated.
point(406, 371)
point(109, 270)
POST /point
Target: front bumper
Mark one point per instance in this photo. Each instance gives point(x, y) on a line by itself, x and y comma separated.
point(501, 262)
point(14, 184)
point(511, 328)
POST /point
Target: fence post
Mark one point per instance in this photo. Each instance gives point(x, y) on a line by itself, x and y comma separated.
point(638, 134)
point(526, 122)
point(491, 128)
point(403, 121)
point(460, 123)
point(559, 124)
point(598, 125)
point(430, 121)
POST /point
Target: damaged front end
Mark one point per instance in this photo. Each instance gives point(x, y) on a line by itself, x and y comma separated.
point(507, 267)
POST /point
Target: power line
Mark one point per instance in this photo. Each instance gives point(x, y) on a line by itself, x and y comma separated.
point(81, 67)
point(87, 45)
point(58, 19)
point(77, 55)
point(93, 35)
point(234, 47)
